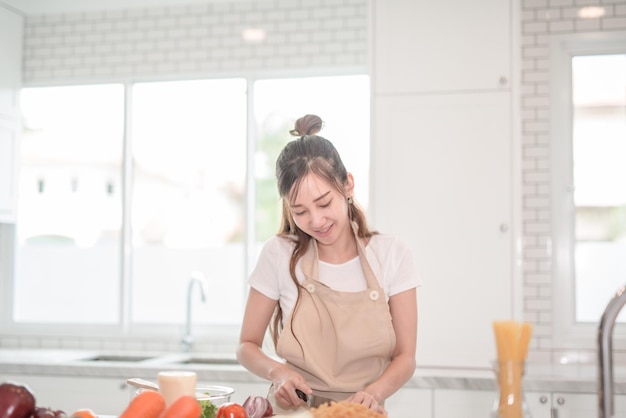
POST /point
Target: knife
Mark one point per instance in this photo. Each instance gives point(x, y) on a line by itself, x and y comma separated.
point(302, 396)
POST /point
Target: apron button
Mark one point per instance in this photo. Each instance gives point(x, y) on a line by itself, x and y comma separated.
point(310, 287)
point(374, 295)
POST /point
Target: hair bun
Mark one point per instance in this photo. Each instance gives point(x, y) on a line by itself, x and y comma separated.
point(307, 125)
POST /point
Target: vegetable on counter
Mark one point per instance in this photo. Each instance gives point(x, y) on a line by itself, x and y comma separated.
point(231, 410)
point(83, 413)
point(258, 407)
point(148, 404)
point(16, 401)
point(41, 412)
point(208, 408)
point(183, 407)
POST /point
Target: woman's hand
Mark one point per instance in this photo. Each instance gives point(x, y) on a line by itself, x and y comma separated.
point(368, 400)
point(285, 382)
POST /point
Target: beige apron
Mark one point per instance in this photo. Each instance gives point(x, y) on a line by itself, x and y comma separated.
point(338, 341)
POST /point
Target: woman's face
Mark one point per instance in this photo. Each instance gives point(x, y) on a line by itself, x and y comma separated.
point(320, 210)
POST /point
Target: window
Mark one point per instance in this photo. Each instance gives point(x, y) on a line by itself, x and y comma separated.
point(119, 205)
point(69, 208)
point(589, 198)
point(599, 173)
point(188, 198)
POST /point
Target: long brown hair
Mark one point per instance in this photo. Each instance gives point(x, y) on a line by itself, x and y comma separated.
point(308, 154)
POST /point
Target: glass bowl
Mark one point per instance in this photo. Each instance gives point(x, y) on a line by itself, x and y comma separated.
point(215, 393)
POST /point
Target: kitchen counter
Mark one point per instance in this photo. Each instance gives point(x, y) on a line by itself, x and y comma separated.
point(572, 378)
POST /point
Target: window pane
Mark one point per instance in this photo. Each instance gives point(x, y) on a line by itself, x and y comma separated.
point(599, 149)
point(69, 217)
point(343, 104)
point(189, 166)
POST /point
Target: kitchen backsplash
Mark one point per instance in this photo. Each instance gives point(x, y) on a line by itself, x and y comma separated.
point(110, 344)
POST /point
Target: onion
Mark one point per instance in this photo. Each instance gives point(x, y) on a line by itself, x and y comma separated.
point(258, 407)
point(16, 401)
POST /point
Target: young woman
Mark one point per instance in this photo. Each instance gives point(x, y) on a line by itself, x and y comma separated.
point(342, 297)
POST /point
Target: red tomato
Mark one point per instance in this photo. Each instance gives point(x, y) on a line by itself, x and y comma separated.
point(231, 410)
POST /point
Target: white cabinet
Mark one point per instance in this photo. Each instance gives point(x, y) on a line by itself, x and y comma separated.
point(451, 156)
point(443, 128)
point(8, 170)
point(443, 45)
point(410, 403)
point(570, 405)
point(106, 396)
point(539, 404)
point(11, 27)
point(449, 403)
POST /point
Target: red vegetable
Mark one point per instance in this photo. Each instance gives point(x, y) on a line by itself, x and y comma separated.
point(16, 401)
point(258, 407)
point(231, 410)
point(41, 412)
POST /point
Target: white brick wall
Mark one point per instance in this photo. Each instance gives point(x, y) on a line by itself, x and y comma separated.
point(541, 19)
point(195, 40)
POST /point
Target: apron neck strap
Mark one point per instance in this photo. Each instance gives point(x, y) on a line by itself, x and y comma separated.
point(310, 261)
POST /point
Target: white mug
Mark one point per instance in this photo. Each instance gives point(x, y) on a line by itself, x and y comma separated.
point(176, 383)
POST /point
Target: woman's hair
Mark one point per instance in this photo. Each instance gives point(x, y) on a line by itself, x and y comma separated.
point(309, 154)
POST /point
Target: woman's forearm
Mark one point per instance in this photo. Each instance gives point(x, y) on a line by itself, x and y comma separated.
point(256, 361)
point(393, 378)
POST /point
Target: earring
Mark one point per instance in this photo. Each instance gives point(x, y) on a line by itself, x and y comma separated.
point(350, 201)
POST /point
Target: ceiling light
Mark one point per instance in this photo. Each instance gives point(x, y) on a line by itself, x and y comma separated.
point(253, 35)
point(591, 12)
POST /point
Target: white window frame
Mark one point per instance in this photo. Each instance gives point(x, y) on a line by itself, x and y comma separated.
point(566, 332)
point(219, 334)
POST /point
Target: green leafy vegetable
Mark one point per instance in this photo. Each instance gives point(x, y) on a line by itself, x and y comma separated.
point(208, 408)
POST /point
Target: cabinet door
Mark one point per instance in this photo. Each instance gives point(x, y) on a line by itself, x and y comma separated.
point(410, 403)
point(10, 62)
point(105, 396)
point(450, 195)
point(575, 405)
point(539, 404)
point(8, 170)
point(444, 45)
point(10, 81)
point(450, 403)
point(570, 405)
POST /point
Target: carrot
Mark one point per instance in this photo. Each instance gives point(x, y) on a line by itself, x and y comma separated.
point(148, 404)
point(183, 407)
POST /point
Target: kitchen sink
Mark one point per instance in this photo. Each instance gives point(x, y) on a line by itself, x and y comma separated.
point(210, 360)
point(127, 358)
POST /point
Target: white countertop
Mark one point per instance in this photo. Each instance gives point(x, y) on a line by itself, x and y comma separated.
point(574, 378)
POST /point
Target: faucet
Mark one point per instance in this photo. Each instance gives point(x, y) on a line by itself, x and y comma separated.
point(605, 353)
point(196, 278)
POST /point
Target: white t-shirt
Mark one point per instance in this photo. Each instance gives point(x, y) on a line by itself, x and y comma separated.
point(389, 257)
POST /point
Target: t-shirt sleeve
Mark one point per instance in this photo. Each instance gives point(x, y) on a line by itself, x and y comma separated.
point(404, 275)
point(264, 277)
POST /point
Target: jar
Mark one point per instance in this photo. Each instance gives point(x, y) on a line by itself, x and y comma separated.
point(510, 401)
